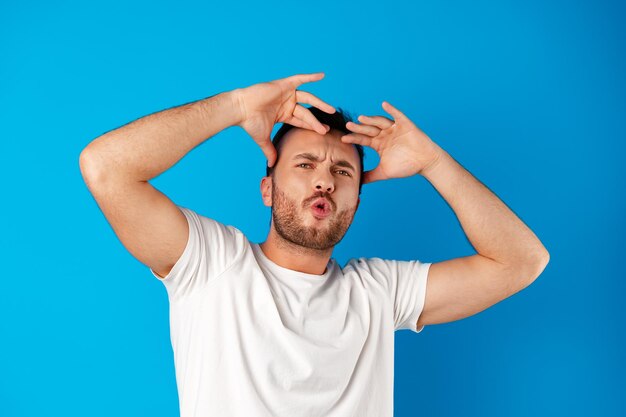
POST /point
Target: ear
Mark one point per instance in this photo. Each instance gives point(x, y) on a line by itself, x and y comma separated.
point(266, 191)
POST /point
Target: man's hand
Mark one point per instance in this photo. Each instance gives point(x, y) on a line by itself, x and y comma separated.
point(403, 148)
point(265, 104)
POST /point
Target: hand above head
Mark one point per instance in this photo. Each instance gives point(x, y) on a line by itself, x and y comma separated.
point(403, 148)
point(265, 104)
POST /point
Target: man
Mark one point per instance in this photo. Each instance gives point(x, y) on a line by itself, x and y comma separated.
point(278, 328)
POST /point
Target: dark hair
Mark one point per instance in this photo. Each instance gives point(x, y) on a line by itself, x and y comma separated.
point(336, 120)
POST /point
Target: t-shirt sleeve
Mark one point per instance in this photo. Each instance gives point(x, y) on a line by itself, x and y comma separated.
point(211, 248)
point(405, 284)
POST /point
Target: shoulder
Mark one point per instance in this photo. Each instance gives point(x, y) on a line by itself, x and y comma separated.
point(374, 265)
point(209, 227)
point(219, 244)
point(370, 269)
point(385, 271)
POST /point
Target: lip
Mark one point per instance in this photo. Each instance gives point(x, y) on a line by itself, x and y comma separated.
point(318, 214)
point(321, 213)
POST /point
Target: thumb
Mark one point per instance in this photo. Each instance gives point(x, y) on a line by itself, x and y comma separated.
point(372, 175)
point(270, 152)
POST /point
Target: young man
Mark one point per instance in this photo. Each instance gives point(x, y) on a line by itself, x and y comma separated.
point(278, 328)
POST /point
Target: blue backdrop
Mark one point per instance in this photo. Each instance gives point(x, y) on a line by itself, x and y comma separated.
point(528, 96)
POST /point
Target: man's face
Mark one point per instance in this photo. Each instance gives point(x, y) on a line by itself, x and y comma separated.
point(299, 182)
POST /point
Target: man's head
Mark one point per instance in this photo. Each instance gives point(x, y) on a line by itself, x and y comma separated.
point(311, 168)
point(336, 121)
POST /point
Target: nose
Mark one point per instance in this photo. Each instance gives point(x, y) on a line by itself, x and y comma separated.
point(325, 183)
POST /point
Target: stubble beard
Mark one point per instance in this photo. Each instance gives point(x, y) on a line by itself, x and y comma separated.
point(290, 224)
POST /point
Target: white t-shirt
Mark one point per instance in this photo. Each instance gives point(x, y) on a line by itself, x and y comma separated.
point(251, 338)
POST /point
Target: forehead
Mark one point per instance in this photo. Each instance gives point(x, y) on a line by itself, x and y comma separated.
point(299, 140)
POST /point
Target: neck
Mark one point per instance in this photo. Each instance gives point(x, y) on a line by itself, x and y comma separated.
point(295, 257)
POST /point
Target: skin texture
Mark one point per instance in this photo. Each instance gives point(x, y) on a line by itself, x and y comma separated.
point(297, 240)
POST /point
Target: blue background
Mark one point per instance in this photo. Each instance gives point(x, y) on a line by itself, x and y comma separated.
point(528, 96)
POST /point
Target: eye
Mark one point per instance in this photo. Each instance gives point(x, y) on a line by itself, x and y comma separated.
point(345, 173)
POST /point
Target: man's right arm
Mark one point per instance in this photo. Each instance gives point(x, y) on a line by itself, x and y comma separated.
point(117, 166)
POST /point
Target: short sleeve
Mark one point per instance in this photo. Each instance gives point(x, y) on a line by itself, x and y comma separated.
point(405, 283)
point(211, 248)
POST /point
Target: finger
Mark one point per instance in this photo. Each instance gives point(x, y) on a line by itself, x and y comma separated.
point(372, 175)
point(380, 122)
point(305, 97)
point(300, 79)
point(307, 78)
point(357, 138)
point(363, 129)
point(294, 121)
point(306, 116)
point(397, 114)
point(270, 152)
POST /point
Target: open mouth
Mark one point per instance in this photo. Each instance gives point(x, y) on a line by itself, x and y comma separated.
point(321, 208)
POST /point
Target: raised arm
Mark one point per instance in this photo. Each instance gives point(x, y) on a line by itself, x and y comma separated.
point(509, 257)
point(117, 165)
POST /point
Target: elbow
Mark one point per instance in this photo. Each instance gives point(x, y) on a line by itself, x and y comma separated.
point(543, 258)
point(538, 265)
point(85, 163)
point(529, 268)
point(539, 257)
point(89, 163)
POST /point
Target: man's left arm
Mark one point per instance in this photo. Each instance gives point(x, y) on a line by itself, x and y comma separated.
point(509, 256)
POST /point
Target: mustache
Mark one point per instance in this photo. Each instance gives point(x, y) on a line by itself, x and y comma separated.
point(320, 194)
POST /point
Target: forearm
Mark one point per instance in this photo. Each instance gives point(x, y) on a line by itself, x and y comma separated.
point(146, 147)
point(492, 228)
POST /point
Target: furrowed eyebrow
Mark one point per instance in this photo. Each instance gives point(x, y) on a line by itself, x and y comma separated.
point(315, 158)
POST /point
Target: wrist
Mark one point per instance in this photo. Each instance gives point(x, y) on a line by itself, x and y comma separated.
point(226, 105)
point(435, 164)
point(236, 97)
